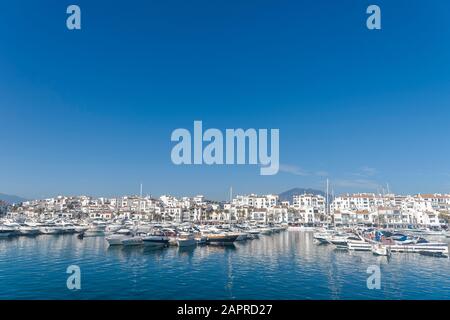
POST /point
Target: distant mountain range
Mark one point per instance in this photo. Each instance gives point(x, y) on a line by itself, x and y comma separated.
point(288, 195)
point(10, 199)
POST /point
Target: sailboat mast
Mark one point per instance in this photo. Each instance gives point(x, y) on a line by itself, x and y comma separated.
point(326, 209)
point(231, 199)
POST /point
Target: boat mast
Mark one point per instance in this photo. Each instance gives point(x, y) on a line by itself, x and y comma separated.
point(327, 209)
point(231, 200)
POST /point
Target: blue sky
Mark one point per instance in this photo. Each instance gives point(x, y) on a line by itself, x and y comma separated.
point(91, 111)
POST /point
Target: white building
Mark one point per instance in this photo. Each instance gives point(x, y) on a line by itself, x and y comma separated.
point(256, 201)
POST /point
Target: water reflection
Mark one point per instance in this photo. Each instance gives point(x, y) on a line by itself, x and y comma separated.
point(288, 265)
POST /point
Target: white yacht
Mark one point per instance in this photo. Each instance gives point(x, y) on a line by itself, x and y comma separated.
point(186, 240)
point(49, 228)
point(11, 228)
point(95, 229)
point(300, 227)
point(357, 243)
point(254, 233)
point(65, 227)
point(265, 230)
point(6, 231)
point(133, 240)
point(379, 249)
point(29, 229)
point(431, 247)
point(323, 237)
point(80, 228)
point(117, 238)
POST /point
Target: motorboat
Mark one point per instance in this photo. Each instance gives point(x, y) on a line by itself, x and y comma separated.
point(156, 239)
point(28, 230)
point(254, 233)
point(65, 227)
point(265, 230)
point(300, 227)
point(409, 244)
point(323, 237)
point(80, 228)
point(134, 240)
point(6, 231)
point(341, 239)
point(221, 238)
point(49, 228)
point(242, 236)
point(431, 247)
point(186, 240)
point(201, 239)
point(116, 238)
point(359, 245)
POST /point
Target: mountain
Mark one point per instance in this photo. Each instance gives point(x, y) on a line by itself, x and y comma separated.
point(11, 199)
point(288, 195)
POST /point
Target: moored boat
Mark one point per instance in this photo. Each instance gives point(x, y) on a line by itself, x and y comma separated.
point(156, 239)
point(221, 238)
point(322, 237)
point(28, 230)
point(6, 231)
point(95, 229)
point(49, 228)
point(132, 241)
point(116, 238)
point(186, 240)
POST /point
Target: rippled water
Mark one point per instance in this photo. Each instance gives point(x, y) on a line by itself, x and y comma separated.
point(282, 266)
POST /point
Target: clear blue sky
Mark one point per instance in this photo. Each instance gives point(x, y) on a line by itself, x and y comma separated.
point(91, 111)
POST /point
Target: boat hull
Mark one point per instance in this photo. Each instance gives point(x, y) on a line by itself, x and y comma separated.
point(156, 241)
point(49, 230)
point(6, 234)
point(359, 246)
point(221, 240)
point(135, 241)
point(29, 231)
point(116, 240)
point(186, 242)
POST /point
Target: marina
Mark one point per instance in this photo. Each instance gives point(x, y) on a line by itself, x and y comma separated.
point(282, 265)
point(135, 233)
point(252, 247)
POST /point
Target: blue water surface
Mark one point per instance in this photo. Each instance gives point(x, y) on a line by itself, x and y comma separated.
point(288, 265)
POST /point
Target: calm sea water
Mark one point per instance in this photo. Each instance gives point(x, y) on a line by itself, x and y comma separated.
point(282, 266)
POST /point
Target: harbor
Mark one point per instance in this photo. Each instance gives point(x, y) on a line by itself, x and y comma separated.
point(156, 235)
point(281, 265)
point(251, 247)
